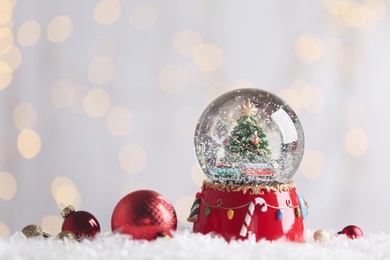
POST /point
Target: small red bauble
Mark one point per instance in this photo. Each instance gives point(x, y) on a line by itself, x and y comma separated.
point(81, 223)
point(144, 214)
point(225, 142)
point(255, 140)
point(351, 232)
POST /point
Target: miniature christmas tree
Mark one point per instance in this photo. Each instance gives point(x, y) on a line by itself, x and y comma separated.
point(246, 149)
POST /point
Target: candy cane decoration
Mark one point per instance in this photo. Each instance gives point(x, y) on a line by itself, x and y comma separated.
point(249, 214)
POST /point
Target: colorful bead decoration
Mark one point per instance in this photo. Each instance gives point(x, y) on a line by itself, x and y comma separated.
point(279, 214)
point(207, 211)
point(298, 212)
point(230, 214)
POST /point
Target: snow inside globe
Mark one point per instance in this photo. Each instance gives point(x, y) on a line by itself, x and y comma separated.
point(249, 137)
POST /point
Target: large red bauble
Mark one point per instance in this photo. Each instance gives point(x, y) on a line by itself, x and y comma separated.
point(351, 232)
point(81, 223)
point(144, 214)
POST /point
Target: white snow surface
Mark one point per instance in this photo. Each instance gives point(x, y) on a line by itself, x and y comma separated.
point(188, 245)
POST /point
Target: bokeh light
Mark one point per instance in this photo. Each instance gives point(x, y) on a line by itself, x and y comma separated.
point(308, 48)
point(354, 14)
point(133, 158)
point(335, 7)
point(59, 29)
point(376, 9)
point(5, 12)
point(6, 38)
point(313, 98)
point(333, 50)
point(5, 75)
point(143, 16)
point(8, 186)
point(5, 18)
point(12, 56)
point(208, 57)
point(182, 206)
point(77, 106)
point(101, 70)
point(358, 14)
point(60, 181)
point(186, 41)
point(197, 175)
point(107, 11)
point(293, 98)
point(62, 93)
point(65, 192)
point(29, 33)
point(313, 164)
point(4, 229)
point(24, 115)
point(301, 95)
point(29, 143)
point(353, 112)
point(173, 79)
point(52, 224)
point(6, 6)
point(131, 186)
point(96, 103)
point(356, 142)
point(119, 121)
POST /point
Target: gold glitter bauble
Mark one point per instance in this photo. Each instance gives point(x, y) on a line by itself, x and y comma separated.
point(66, 235)
point(34, 231)
point(321, 235)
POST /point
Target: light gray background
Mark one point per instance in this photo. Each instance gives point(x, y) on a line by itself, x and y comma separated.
point(328, 59)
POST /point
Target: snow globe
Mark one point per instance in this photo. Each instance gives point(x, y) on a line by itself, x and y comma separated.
point(249, 144)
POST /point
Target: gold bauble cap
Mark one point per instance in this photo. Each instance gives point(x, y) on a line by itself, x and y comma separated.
point(67, 210)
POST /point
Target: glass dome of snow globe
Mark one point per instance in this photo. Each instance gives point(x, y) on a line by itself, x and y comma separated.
point(249, 137)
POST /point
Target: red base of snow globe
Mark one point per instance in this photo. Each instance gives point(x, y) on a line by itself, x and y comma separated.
point(235, 212)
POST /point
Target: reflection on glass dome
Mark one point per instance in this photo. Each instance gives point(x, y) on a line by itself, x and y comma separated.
point(249, 136)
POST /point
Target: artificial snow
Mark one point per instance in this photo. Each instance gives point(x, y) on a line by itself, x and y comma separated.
point(187, 245)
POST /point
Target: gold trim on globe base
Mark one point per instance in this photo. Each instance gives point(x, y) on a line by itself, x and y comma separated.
point(251, 189)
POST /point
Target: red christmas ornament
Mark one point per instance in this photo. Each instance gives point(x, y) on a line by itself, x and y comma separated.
point(351, 232)
point(144, 214)
point(255, 140)
point(81, 223)
point(225, 142)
